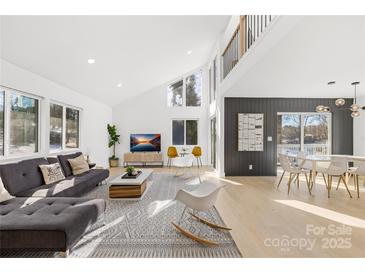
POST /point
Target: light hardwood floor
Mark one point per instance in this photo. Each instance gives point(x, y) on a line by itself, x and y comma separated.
point(263, 217)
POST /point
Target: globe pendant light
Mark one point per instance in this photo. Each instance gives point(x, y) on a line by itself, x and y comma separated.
point(340, 103)
point(355, 108)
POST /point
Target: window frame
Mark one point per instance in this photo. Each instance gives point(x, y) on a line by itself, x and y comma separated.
point(4, 122)
point(7, 109)
point(215, 69)
point(210, 86)
point(64, 148)
point(185, 119)
point(302, 115)
point(183, 79)
point(183, 93)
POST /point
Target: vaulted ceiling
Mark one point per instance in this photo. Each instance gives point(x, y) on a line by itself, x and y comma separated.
point(140, 52)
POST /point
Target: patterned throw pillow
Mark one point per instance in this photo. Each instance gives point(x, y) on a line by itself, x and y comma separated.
point(52, 173)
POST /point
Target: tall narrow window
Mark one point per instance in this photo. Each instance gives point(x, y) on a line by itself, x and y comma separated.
point(2, 107)
point(191, 132)
point(178, 132)
point(215, 78)
point(193, 85)
point(213, 139)
point(56, 127)
point(23, 124)
point(210, 86)
point(185, 132)
point(175, 94)
point(72, 128)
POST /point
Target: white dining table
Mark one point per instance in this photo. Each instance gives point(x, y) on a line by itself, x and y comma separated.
point(317, 160)
point(185, 163)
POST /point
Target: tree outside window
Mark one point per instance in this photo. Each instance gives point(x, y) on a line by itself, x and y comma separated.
point(194, 89)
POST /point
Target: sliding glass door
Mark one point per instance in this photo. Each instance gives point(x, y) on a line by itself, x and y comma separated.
point(288, 133)
point(307, 132)
point(316, 134)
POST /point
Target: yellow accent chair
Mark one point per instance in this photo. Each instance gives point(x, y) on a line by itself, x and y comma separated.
point(171, 154)
point(197, 152)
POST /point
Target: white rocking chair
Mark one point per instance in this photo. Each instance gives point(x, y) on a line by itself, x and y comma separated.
point(201, 199)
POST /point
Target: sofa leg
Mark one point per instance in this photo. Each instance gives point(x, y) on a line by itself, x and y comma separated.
point(64, 254)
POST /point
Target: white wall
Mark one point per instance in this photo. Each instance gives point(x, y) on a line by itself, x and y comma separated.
point(94, 116)
point(359, 130)
point(149, 113)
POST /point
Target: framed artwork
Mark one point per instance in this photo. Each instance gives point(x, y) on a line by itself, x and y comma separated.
point(250, 132)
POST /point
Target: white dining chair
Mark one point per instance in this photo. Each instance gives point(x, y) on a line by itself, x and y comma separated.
point(302, 162)
point(337, 168)
point(294, 172)
point(356, 171)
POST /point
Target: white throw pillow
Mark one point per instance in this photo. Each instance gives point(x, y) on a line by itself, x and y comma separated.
point(52, 173)
point(4, 194)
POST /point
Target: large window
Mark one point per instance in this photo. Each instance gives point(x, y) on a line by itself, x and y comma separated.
point(307, 132)
point(194, 90)
point(2, 124)
point(191, 134)
point(288, 133)
point(175, 94)
point(20, 131)
point(316, 133)
point(72, 128)
point(184, 132)
point(56, 127)
point(186, 91)
point(178, 132)
point(23, 124)
point(64, 130)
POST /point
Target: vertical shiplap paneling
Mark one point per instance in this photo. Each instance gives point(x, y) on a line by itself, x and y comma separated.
point(236, 163)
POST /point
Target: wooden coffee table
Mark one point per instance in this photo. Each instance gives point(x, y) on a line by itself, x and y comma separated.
point(120, 188)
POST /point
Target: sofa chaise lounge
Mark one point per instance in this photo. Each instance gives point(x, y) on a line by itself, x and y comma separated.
point(47, 217)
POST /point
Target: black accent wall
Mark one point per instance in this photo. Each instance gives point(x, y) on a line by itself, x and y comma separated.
point(264, 162)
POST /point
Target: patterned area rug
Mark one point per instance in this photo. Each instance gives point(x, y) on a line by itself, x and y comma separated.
point(143, 229)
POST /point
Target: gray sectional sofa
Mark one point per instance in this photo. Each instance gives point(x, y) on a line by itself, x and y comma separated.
point(47, 217)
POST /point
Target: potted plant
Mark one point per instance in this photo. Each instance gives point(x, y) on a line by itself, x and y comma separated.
point(130, 170)
point(113, 140)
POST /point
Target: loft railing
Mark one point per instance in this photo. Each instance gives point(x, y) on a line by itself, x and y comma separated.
point(247, 32)
point(309, 149)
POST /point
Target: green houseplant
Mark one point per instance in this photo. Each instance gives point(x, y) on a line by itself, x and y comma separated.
point(114, 138)
point(130, 170)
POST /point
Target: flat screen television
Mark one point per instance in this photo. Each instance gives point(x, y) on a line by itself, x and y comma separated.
point(145, 142)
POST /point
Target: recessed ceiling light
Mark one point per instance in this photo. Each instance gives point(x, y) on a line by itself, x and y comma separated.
point(189, 52)
point(119, 85)
point(91, 61)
